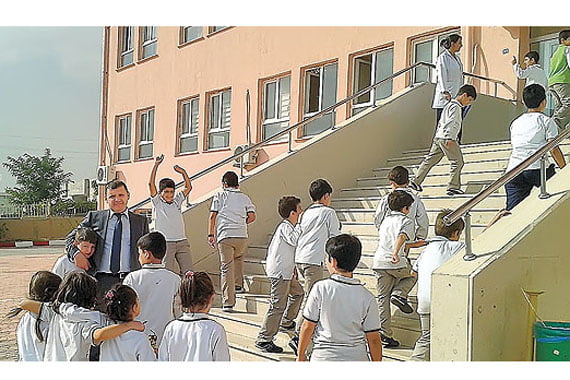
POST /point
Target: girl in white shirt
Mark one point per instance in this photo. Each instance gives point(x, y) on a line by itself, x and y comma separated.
point(194, 336)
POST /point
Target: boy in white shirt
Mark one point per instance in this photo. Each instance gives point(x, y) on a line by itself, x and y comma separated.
point(440, 249)
point(230, 213)
point(530, 70)
point(155, 285)
point(286, 291)
point(85, 241)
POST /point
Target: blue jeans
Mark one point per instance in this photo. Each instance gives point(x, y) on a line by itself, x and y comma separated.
point(520, 187)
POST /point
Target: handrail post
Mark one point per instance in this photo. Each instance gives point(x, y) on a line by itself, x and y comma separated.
point(469, 255)
point(496, 89)
point(241, 167)
point(290, 142)
point(543, 193)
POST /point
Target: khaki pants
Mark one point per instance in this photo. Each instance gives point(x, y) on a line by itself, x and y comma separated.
point(308, 274)
point(231, 252)
point(178, 258)
point(438, 149)
point(285, 302)
point(421, 349)
point(561, 103)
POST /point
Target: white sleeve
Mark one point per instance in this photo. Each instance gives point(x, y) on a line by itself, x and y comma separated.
point(381, 212)
point(220, 351)
point(407, 228)
point(290, 234)
point(163, 354)
point(443, 75)
point(568, 56)
point(249, 206)
point(422, 220)
point(371, 321)
point(155, 199)
point(551, 129)
point(333, 224)
point(215, 203)
point(519, 72)
point(312, 311)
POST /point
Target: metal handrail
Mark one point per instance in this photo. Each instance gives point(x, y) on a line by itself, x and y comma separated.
point(302, 123)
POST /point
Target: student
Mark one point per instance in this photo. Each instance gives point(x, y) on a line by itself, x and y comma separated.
point(318, 224)
point(168, 218)
point(440, 249)
point(391, 267)
point(73, 324)
point(530, 70)
point(195, 337)
point(230, 213)
point(155, 285)
point(85, 241)
point(286, 293)
point(559, 79)
point(123, 306)
point(446, 142)
point(340, 314)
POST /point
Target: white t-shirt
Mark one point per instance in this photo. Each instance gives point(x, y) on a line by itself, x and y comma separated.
point(130, 346)
point(529, 132)
point(232, 207)
point(168, 217)
point(194, 337)
point(318, 223)
point(63, 266)
point(437, 252)
point(30, 349)
point(281, 251)
point(533, 74)
point(417, 214)
point(156, 288)
point(394, 224)
point(344, 311)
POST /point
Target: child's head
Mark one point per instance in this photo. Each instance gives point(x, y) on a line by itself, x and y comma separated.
point(345, 250)
point(399, 200)
point(196, 292)
point(85, 241)
point(77, 288)
point(564, 37)
point(230, 179)
point(534, 97)
point(43, 286)
point(151, 246)
point(531, 58)
point(453, 231)
point(320, 191)
point(166, 187)
point(289, 206)
point(466, 94)
point(122, 303)
point(399, 175)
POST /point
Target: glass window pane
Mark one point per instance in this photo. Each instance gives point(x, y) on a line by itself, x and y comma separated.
point(128, 130)
point(126, 59)
point(150, 125)
point(269, 104)
point(423, 52)
point(216, 28)
point(145, 151)
point(215, 112)
point(312, 92)
point(149, 50)
point(218, 140)
point(319, 125)
point(329, 86)
point(194, 118)
point(226, 109)
point(188, 144)
point(384, 68)
point(284, 97)
point(362, 76)
point(144, 126)
point(185, 118)
point(192, 32)
point(124, 154)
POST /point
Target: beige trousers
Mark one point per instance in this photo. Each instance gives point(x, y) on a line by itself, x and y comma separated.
point(438, 149)
point(561, 103)
point(232, 252)
point(308, 275)
point(178, 258)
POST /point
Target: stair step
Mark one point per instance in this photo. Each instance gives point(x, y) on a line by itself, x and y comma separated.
point(439, 190)
point(431, 203)
point(434, 177)
point(479, 215)
point(369, 230)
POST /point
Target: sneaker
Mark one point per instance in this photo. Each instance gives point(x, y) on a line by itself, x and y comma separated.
point(239, 289)
point(228, 309)
point(294, 344)
point(269, 347)
point(289, 327)
point(402, 304)
point(389, 342)
point(414, 186)
point(452, 192)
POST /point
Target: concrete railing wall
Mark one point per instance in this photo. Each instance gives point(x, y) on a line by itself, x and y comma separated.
point(40, 228)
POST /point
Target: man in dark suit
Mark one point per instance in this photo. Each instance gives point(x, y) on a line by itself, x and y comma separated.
point(118, 231)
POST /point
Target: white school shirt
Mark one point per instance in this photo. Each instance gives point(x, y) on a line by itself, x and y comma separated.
point(194, 337)
point(344, 311)
point(449, 72)
point(130, 346)
point(168, 217)
point(318, 224)
point(232, 207)
point(63, 266)
point(30, 349)
point(533, 74)
point(281, 251)
point(438, 251)
point(156, 288)
point(529, 132)
point(417, 214)
point(70, 332)
point(450, 122)
point(394, 224)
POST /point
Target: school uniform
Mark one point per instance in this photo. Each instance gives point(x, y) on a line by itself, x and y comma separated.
point(130, 346)
point(534, 74)
point(157, 289)
point(30, 349)
point(418, 214)
point(194, 337)
point(344, 311)
point(63, 266)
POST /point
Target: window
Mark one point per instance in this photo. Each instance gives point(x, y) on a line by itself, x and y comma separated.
point(188, 125)
point(320, 93)
point(123, 138)
point(546, 47)
point(146, 132)
point(219, 118)
point(148, 41)
point(190, 33)
point(427, 50)
point(125, 46)
point(214, 29)
point(276, 99)
point(369, 69)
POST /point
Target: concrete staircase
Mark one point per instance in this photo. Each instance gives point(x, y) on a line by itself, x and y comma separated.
point(355, 208)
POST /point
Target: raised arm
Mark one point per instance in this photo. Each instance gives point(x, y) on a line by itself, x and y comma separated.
point(72, 251)
point(30, 305)
point(152, 179)
point(187, 184)
point(113, 331)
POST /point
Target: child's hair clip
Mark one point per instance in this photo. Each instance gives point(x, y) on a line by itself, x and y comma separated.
point(189, 274)
point(110, 294)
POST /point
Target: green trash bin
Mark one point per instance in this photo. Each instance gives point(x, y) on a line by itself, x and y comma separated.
point(552, 341)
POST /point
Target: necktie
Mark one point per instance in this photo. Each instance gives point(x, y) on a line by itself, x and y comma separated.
point(116, 248)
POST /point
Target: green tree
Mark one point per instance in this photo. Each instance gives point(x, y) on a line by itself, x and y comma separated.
point(38, 179)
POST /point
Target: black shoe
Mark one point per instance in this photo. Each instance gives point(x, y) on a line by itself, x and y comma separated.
point(452, 192)
point(294, 344)
point(269, 347)
point(389, 342)
point(414, 186)
point(402, 304)
point(239, 289)
point(289, 327)
point(228, 309)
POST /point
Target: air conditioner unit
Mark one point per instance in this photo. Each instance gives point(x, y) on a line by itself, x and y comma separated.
point(250, 158)
point(105, 174)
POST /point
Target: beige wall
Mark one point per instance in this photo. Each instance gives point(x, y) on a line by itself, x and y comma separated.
point(40, 228)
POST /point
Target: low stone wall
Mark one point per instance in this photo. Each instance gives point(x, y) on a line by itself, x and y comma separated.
point(39, 228)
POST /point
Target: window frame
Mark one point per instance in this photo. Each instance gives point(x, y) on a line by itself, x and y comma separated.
point(145, 43)
point(140, 141)
point(183, 42)
point(122, 53)
point(119, 136)
point(211, 29)
point(434, 38)
point(276, 104)
point(209, 130)
point(189, 134)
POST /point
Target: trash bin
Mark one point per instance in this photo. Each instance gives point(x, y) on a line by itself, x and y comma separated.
point(552, 341)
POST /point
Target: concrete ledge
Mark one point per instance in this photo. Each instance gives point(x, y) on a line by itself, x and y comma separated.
point(57, 243)
point(24, 244)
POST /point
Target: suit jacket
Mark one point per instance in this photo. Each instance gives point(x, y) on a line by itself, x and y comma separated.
point(97, 221)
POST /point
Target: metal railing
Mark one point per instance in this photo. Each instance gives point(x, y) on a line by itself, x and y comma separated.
point(289, 130)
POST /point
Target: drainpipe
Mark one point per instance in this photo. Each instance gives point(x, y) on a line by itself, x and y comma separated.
point(103, 141)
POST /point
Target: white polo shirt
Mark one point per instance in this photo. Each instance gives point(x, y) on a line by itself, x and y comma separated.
point(157, 288)
point(533, 74)
point(394, 224)
point(417, 214)
point(30, 349)
point(344, 311)
point(450, 122)
point(281, 252)
point(130, 346)
point(63, 266)
point(232, 207)
point(318, 224)
point(529, 132)
point(194, 337)
point(168, 217)
point(438, 251)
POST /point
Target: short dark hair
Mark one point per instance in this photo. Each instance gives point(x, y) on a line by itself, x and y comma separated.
point(346, 249)
point(195, 291)
point(166, 183)
point(154, 242)
point(85, 234)
point(319, 188)
point(399, 175)
point(398, 199)
point(533, 95)
point(563, 35)
point(115, 184)
point(230, 179)
point(448, 40)
point(119, 302)
point(287, 205)
point(533, 55)
point(469, 90)
point(77, 288)
point(441, 229)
